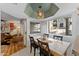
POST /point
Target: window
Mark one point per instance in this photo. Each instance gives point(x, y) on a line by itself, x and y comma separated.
point(61, 26)
point(34, 27)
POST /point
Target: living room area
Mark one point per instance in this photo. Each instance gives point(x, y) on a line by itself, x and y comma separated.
point(12, 34)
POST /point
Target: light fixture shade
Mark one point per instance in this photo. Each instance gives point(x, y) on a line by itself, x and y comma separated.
point(40, 13)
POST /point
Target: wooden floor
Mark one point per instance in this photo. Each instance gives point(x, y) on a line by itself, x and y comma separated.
point(12, 48)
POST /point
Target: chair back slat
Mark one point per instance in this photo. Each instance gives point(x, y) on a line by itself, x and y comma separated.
point(44, 48)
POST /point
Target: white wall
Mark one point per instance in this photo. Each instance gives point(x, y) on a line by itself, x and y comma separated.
point(0, 21)
point(14, 10)
point(28, 31)
point(0, 31)
point(75, 30)
point(44, 27)
point(24, 29)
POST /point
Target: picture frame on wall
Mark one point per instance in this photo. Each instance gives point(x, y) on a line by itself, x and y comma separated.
point(54, 24)
point(61, 26)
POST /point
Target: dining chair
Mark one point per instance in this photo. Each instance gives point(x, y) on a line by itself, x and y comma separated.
point(44, 48)
point(58, 37)
point(33, 44)
point(75, 53)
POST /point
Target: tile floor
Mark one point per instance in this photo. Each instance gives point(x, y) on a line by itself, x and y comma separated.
point(25, 52)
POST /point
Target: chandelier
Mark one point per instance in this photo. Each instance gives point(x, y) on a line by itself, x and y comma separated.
point(40, 13)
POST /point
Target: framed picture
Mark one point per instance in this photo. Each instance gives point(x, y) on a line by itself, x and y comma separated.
point(55, 24)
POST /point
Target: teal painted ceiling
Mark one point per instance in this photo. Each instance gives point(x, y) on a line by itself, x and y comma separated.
point(49, 9)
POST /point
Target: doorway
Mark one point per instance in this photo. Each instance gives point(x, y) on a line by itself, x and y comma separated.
point(13, 34)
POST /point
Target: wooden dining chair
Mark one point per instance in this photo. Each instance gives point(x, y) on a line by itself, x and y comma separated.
point(58, 37)
point(44, 48)
point(75, 53)
point(33, 44)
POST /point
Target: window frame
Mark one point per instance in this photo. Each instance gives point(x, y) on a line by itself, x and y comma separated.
point(35, 23)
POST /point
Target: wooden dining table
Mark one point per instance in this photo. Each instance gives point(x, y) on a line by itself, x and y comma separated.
point(57, 47)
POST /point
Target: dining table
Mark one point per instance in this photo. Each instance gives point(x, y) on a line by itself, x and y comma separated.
point(57, 47)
